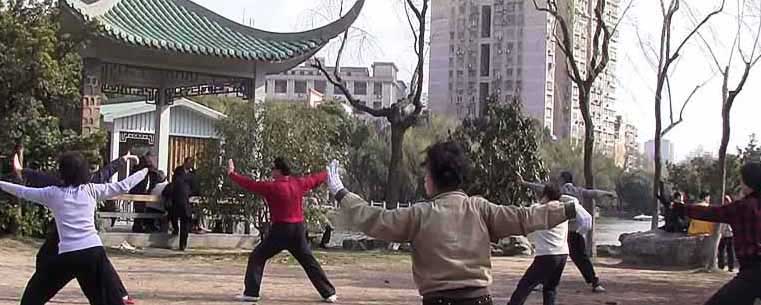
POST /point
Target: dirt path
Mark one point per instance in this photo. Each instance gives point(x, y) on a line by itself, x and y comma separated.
point(164, 278)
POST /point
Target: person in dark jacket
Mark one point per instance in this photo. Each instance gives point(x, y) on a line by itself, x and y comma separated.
point(49, 248)
point(182, 188)
point(154, 177)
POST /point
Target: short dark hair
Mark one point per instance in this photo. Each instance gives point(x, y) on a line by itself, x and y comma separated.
point(447, 164)
point(73, 169)
point(282, 165)
point(566, 177)
point(551, 191)
point(704, 194)
point(676, 195)
point(18, 146)
point(751, 175)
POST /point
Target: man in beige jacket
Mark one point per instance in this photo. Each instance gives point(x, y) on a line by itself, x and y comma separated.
point(451, 233)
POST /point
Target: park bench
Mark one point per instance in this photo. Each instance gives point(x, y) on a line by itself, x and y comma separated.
point(125, 202)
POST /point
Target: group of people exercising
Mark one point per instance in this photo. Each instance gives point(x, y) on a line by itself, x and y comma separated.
point(451, 232)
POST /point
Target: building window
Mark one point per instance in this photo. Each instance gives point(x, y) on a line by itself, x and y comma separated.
point(378, 88)
point(360, 88)
point(486, 21)
point(300, 86)
point(485, 59)
point(320, 85)
point(281, 86)
point(483, 92)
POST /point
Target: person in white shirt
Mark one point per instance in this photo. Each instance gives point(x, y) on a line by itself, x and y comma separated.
point(81, 254)
point(551, 255)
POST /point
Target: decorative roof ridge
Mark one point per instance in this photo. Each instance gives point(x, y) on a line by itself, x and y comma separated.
point(326, 32)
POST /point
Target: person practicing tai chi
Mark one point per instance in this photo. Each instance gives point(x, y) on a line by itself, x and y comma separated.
point(284, 196)
point(80, 251)
point(744, 215)
point(577, 245)
point(49, 248)
point(451, 233)
point(551, 255)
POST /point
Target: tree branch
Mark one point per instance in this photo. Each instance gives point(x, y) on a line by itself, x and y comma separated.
point(696, 29)
point(354, 102)
point(417, 77)
point(681, 112)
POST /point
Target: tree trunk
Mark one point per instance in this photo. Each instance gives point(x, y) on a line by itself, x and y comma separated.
point(718, 196)
point(394, 182)
point(589, 182)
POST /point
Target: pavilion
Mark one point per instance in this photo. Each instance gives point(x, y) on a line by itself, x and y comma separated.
point(164, 50)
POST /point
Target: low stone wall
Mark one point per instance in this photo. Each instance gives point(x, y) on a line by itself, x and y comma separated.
point(659, 248)
point(167, 241)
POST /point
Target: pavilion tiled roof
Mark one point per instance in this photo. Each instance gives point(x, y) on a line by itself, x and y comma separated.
point(186, 27)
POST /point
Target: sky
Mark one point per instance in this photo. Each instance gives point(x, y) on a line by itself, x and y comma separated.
point(389, 38)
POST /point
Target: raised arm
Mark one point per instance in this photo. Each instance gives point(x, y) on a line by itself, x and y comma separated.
point(105, 173)
point(314, 180)
point(35, 178)
point(108, 190)
point(595, 194)
point(36, 195)
point(504, 221)
point(392, 225)
point(257, 187)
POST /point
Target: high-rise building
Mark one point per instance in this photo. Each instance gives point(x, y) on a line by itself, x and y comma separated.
point(667, 150)
point(481, 48)
point(568, 118)
point(508, 48)
point(379, 89)
point(627, 149)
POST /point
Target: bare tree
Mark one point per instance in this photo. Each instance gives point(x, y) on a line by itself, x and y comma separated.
point(728, 95)
point(666, 58)
point(584, 72)
point(402, 114)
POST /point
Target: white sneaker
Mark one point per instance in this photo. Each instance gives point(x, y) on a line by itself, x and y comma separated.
point(331, 299)
point(245, 298)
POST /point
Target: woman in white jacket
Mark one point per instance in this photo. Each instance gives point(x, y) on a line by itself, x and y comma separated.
point(81, 254)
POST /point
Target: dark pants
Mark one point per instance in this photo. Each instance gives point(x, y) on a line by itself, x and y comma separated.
point(326, 237)
point(87, 266)
point(181, 224)
point(484, 300)
point(49, 251)
point(726, 253)
point(291, 237)
point(741, 290)
point(545, 270)
point(578, 251)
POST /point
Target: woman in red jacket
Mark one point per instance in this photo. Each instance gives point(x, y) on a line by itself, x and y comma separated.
point(284, 196)
point(744, 216)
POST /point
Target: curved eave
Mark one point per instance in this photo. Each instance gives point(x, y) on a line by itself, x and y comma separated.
point(316, 38)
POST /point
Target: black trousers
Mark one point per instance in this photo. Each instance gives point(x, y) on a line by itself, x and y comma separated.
point(49, 251)
point(578, 251)
point(545, 270)
point(726, 253)
point(484, 300)
point(86, 266)
point(291, 237)
point(741, 290)
point(181, 224)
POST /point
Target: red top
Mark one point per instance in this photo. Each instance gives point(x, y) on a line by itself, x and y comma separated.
point(745, 218)
point(284, 196)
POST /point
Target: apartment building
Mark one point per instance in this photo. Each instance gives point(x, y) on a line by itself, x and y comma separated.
point(378, 89)
point(507, 48)
point(481, 48)
point(627, 152)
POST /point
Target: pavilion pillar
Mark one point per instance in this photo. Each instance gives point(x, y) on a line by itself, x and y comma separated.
point(91, 96)
point(260, 91)
point(161, 131)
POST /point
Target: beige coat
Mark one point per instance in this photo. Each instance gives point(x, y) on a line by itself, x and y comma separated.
point(451, 234)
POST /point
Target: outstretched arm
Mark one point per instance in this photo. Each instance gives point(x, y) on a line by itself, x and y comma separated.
point(392, 225)
point(247, 183)
point(313, 180)
point(105, 173)
point(504, 220)
point(108, 190)
point(36, 195)
point(596, 194)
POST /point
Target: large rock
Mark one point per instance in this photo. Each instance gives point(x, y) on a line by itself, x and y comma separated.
point(513, 245)
point(661, 248)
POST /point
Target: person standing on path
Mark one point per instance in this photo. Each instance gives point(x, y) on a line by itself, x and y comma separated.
point(577, 245)
point(284, 196)
point(551, 256)
point(744, 216)
point(726, 254)
point(452, 232)
point(182, 187)
point(49, 248)
point(80, 251)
